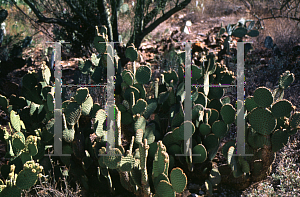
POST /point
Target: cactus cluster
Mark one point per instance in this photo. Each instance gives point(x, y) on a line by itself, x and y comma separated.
point(149, 125)
point(16, 182)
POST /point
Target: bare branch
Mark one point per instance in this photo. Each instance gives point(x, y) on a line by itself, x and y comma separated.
point(42, 18)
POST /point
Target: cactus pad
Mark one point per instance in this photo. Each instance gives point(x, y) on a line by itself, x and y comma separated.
point(282, 108)
point(262, 121)
point(127, 163)
point(250, 103)
point(205, 129)
point(286, 79)
point(131, 53)
point(263, 97)
point(279, 139)
point(143, 74)
point(81, 95)
point(228, 113)
point(226, 147)
point(29, 175)
point(178, 180)
point(199, 149)
point(219, 128)
point(139, 107)
point(72, 112)
point(128, 78)
point(180, 133)
point(15, 120)
point(113, 158)
point(99, 43)
point(164, 188)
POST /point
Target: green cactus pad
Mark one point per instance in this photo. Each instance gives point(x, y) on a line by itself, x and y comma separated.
point(240, 32)
point(127, 93)
point(18, 140)
point(177, 120)
point(142, 90)
point(151, 107)
point(81, 95)
point(164, 188)
point(262, 121)
point(201, 99)
point(282, 108)
point(199, 149)
point(86, 66)
point(26, 179)
point(279, 139)
point(215, 92)
point(250, 104)
point(113, 158)
point(10, 191)
point(86, 106)
point(72, 112)
point(211, 142)
point(205, 129)
point(163, 96)
point(215, 104)
point(257, 140)
point(15, 120)
point(226, 147)
point(253, 33)
point(127, 163)
point(214, 176)
point(168, 76)
point(263, 97)
point(225, 100)
point(295, 120)
point(139, 107)
point(140, 124)
point(214, 116)
point(100, 116)
point(179, 134)
point(29, 175)
point(197, 72)
point(149, 133)
point(99, 43)
point(228, 113)
point(126, 118)
point(128, 78)
point(50, 101)
point(178, 179)
point(69, 134)
point(131, 53)
point(106, 59)
point(195, 111)
point(219, 128)
point(286, 79)
point(139, 136)
point(143, 74)
point(174, 149)
point(161, 160)
point(159, 178)
point(169, 139)
point(152, 150)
